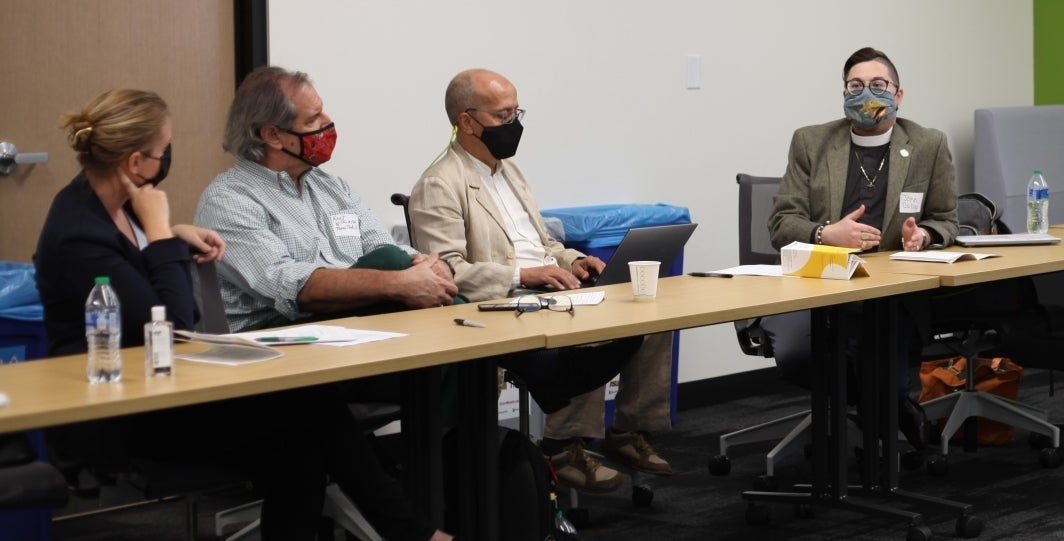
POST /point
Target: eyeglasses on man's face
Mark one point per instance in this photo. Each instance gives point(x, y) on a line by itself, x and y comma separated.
point(504, 116)
point(878, 86)
point(533, 303)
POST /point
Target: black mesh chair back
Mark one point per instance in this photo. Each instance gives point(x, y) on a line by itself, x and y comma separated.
point(755, 205)
point(755, 248)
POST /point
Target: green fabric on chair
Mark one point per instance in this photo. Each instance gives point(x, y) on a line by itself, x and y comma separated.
point(387, 257)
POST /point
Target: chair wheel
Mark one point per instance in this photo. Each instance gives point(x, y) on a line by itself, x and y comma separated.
point(918, 533)
point(1049, 457)
point(937, 464)
point(642, 495)
point(758, 515)
point(765, 483)
point(578, 516)
point(969, 526)
point(912, 460)
point(719, 465)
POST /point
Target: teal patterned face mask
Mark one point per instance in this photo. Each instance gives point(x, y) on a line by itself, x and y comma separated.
point(867, 110)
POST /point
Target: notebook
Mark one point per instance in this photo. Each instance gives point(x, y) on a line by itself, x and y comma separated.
point(659, 243)
point(1006, 240)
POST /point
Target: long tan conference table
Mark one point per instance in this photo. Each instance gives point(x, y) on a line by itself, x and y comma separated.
point(56, 392)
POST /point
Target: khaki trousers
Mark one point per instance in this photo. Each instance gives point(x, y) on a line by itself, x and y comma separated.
point(642, 402)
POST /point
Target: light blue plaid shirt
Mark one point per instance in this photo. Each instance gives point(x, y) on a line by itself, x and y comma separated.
point(276, 237)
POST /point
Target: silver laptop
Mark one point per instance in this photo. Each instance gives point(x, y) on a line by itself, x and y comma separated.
point(658, 243)
point(1010, 239)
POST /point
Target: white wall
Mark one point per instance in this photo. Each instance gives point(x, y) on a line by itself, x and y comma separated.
point(609, 119)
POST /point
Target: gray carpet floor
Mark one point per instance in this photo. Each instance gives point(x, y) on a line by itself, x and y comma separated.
point(1017, 497)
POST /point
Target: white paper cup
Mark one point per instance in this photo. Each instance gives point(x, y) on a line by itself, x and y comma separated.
point(644, 279)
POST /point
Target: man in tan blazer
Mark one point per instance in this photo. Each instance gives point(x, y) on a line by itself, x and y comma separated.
point(474, 207)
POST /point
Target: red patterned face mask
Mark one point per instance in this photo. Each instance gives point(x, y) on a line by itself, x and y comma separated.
point(315, 147)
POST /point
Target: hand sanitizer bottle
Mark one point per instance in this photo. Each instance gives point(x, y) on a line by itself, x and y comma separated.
point(158, 344)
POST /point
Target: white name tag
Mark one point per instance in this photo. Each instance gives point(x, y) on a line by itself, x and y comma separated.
point(911, 202)
point(345, 224)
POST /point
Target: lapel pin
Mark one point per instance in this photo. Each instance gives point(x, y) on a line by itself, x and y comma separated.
point(904, 153)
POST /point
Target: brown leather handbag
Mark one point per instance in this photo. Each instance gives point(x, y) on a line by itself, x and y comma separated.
point(998, 376)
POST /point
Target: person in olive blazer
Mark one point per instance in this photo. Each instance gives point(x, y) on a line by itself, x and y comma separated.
point(814, 186)
point(869, 181)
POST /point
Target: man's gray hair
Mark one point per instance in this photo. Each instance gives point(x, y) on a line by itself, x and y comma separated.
point(261, 100)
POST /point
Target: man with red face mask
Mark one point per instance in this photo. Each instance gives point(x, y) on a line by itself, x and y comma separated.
point(302, 244)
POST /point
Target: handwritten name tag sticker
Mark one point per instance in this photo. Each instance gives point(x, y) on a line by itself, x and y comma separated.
point(910, 202)
point(345, 224)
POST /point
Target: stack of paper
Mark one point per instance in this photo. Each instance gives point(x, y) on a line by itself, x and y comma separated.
point(249, 347)
point(226, 349)
point(938, 257)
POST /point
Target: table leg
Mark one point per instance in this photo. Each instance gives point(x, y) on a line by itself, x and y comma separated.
point(478, 450)
point(422, 438)
point(829, 410)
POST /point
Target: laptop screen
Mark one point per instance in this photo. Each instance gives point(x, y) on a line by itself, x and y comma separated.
point(662, 243)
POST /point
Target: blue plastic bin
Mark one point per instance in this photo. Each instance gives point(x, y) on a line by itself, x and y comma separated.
point(22, 338)
point(597, 230)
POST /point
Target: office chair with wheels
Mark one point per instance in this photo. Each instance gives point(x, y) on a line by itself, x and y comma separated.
point(755, 248)
point(1011, 324)
point(972, 339)
point(338, 507)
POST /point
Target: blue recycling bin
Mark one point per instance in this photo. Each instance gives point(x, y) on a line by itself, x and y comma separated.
point(22, 338)
point(597, 230)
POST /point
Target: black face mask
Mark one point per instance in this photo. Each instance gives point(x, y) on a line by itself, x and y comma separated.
point(164, 167)
point(502, 140)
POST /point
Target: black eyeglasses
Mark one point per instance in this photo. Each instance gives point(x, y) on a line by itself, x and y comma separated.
point(532, 303)
point(505, 116)
point(878, 86)
point(156, 158)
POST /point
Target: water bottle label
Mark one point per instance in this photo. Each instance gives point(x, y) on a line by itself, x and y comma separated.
point(102, 322)
point(1038, 193)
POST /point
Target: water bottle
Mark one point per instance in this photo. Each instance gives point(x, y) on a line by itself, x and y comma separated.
point(1037, 203)
point(158, 344)
point(103, 330)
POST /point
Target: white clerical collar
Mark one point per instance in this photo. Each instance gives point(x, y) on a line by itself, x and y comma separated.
point(871, 140)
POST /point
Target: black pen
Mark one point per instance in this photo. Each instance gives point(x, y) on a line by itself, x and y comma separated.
point(469, 323)
point(711, 274)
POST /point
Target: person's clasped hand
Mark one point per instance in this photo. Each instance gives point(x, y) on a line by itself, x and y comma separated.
point(423, 287)
point(849, 233)
point(440, 266)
